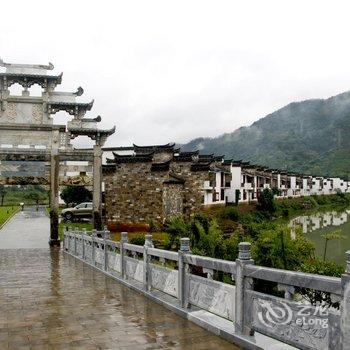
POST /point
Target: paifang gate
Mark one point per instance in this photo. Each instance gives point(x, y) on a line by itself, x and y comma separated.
point(33, 150)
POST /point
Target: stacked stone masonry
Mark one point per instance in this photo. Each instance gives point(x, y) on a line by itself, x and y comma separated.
point(155, 186)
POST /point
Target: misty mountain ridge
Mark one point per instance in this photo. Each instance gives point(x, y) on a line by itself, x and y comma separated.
point(311, 136)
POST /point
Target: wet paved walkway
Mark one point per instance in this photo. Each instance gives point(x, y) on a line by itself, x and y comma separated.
point(27, 229)
point(50, 300)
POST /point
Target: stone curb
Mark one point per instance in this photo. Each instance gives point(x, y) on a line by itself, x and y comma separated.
point(10, 217)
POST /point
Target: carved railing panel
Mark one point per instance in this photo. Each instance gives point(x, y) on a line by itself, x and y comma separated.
point(294, 319)
point(299, 324)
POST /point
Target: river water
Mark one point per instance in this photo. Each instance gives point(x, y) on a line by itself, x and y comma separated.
point(315, 225)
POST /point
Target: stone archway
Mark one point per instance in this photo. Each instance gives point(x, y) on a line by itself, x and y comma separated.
point(33, 150)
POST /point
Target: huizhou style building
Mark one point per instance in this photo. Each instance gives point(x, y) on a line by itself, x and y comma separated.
point(159, 182)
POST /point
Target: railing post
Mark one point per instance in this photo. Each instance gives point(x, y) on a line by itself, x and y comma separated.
point(75, 241)
point(68, 233)
point(65, 231)
point(123, 239)
point(183, 273)
point(83, 238)
point(105, 238)
point(93, 235)
point(147, 282)
point(242, 284)
point(345, 305)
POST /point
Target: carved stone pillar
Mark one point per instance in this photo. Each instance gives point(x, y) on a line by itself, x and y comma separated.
point(243, 283)
point(183, 271)
point(97, 187)
point(54, 204)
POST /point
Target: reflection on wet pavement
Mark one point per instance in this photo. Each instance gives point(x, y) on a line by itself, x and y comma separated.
point(49, 300)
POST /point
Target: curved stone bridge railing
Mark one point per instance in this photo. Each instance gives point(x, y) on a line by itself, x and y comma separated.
point(263, 305)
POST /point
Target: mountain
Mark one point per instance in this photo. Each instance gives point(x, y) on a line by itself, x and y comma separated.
point(311, 136)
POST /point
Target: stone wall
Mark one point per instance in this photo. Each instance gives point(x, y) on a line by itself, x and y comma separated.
point(172, 199)
point(137, 194)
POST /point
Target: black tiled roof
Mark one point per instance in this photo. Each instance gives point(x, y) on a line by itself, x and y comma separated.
point(173, 179)
point(132, 158)
point(200, 166)
point(154, 148)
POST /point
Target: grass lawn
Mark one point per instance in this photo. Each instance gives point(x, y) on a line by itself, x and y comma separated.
point(6, 212)
point(80, 225)
point(71, 224)
point(14, 196)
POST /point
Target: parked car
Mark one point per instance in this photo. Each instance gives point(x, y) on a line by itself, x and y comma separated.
point(81, 210)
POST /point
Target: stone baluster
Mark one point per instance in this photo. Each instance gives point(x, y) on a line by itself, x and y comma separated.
point(68, 237)
point(65, 241)
point(288, 290)
point(93, 253)
point(345, 305)
point(243, 284)
point(106, 235)
point(76, 231)
point(209, 272)
point(147, 281)
point(83, 239)
point(123, 239)
point(183, 273)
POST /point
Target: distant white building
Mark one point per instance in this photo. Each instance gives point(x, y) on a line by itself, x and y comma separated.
point(231, 181)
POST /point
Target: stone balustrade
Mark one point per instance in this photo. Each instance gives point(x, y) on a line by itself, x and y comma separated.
point(241, 309)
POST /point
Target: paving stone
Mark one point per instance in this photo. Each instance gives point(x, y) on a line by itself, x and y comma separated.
point(49, 300)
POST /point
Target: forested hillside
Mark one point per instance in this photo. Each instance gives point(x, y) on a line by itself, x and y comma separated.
point(311, 136)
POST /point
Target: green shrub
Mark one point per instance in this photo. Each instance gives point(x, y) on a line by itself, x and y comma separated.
point(153, 226)
point(285, 212)
point(320, 267)
point(177, 228)
point(231, 244)
point(230, 213)
point(210, 243)
point(138, 239)
point(275, 248)
point(204, 222)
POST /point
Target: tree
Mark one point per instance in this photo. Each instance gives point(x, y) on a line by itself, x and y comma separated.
point(2, 194)
point(237, 196)
point(76, 194)
point(35, 196)
point(266, 201)
point(276, 191)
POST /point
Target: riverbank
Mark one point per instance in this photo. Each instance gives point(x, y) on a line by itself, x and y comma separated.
point(217, 230)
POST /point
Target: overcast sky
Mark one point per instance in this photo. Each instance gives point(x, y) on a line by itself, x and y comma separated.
point(174, 70)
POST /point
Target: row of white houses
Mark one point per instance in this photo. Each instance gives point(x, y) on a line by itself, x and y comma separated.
point(245, 180)
point(229, 180)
